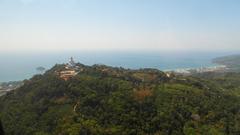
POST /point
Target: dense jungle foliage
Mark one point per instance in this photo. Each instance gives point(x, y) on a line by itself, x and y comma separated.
point(103, 100)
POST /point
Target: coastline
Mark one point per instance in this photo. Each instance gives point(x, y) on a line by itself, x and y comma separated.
point(9, 86)
point(189, 71)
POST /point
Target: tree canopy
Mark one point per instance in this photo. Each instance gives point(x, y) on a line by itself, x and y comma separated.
point(103, 100)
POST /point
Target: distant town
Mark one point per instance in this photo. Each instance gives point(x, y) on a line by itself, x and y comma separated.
point(8, 86)
point(189, 71)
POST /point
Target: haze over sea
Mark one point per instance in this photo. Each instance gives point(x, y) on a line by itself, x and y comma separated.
point(19, 66)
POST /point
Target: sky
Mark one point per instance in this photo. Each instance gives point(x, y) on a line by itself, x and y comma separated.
point(60, 25)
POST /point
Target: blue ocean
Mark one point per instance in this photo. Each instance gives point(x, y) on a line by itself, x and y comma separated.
point(20, 66)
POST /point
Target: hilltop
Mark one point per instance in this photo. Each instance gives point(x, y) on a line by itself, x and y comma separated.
point(104, 100)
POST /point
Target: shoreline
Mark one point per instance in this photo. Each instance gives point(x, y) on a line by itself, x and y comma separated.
point(188, 71)
point(9, 86)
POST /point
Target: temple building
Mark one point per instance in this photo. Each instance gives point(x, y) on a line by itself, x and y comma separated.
point(70, 70)
point(67, 74)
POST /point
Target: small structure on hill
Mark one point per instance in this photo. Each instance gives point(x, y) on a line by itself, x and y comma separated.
point(67, 74)
point(71, 63)
point(71, 69)
point(195, 117)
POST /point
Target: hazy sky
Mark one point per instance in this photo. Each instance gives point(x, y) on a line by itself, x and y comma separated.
point(119, 25)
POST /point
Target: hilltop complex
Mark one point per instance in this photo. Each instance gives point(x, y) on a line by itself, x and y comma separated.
point(71, 69)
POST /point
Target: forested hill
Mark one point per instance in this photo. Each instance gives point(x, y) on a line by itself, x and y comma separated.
point(102, 100)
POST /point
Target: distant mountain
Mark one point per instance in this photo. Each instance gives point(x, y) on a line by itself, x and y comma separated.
point(103, 100)
point(232, 62)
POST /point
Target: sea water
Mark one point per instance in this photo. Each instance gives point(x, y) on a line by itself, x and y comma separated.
point(22, 65)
